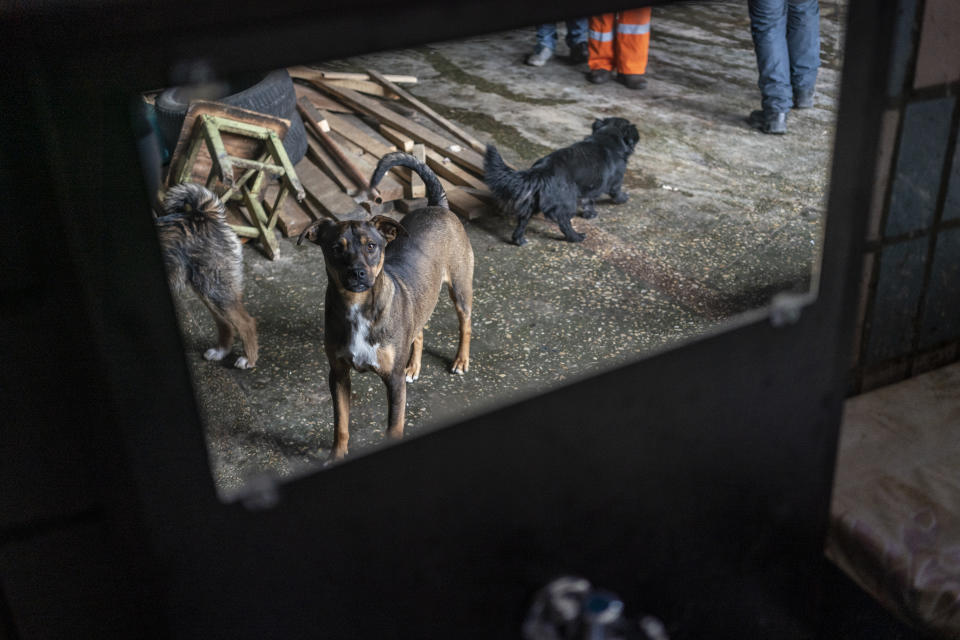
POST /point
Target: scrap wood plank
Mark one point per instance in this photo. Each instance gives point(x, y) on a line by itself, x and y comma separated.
point(321, 100)
point(475, 144)
point(462, 203)
point(364, 86)
point(357, 136)
point(318, 125)
point(309, 73)
point(324, 194)
point(417, 188)
point(466, 158)
point(390, 186)
point(294, 216)
point(446, 169)
point(326, 162)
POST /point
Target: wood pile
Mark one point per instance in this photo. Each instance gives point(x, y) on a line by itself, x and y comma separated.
point(350, 125)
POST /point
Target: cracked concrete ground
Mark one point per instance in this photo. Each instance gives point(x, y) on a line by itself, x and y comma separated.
point(720, 218)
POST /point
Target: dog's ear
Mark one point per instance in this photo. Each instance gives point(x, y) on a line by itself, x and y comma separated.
point(388, 227)
point(316, 230)
point(598, 123)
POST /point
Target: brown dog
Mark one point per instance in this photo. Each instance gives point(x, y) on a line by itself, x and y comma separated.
point(383, 282)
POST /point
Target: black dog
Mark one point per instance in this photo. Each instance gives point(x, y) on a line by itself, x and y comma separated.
point(556, 184)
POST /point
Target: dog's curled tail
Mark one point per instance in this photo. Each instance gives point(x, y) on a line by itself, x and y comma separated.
point(517, 190)
point(436, 196)
point(195, 200)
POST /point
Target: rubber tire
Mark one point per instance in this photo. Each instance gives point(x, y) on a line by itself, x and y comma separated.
point(271, 94)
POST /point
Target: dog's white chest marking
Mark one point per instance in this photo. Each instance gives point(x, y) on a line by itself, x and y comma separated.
point(361, 353)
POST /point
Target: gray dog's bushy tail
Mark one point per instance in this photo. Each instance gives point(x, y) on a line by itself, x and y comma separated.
point(516, 190)
point(196, 200)
point(436, 196)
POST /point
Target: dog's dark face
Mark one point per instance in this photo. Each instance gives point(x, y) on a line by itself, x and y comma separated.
point(353, 251)
point(620, 128)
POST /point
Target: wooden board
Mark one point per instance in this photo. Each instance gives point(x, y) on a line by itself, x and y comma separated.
point(364, 86)
point(320, 100)
point(417, 188)
point(465, 157)
point(310, 73)
point(326, 162)
point(387, 84)
point(356, 135)
point(294, 216)
point(444, 168)
point(323, 194)
point(462, 203)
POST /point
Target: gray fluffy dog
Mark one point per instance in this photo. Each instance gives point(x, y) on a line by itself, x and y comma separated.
point(201, 250)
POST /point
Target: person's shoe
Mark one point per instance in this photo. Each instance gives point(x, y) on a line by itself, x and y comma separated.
point(579, 53)
point(772, 122)
point(633, 80)
point(803, 98)
point(539, 56)
point(599, 76)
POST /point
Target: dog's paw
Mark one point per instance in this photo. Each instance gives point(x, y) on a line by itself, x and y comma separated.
point(411, 378)
point(588, 215)
point(576, 237)
point(336, 455)
point(620, 198)
point(215, 354)
point(243, 363)
point(460, 366)
point(519, 241)
point(411, 374)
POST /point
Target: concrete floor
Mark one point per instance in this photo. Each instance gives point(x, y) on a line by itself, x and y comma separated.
point(720, 218)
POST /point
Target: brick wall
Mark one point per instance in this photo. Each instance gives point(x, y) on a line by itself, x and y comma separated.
point(910, 297)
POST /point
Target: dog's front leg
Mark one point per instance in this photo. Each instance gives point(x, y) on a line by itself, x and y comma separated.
point(588, 211)
point(340, 390)
point(396, 401)
point(617, 194)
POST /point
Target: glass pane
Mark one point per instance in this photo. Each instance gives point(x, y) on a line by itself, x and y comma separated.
point(711, 220)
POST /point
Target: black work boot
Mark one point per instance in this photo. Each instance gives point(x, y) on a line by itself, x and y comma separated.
point(579, 53)
point(599, 76)
point(633, 80)
point(802, 98)
point(769, 121)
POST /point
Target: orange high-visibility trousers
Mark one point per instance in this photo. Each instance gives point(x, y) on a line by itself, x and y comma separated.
point(620, 41)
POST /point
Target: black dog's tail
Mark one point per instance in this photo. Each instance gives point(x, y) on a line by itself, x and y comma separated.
point(195, 200)
point(517, 190)
point(436, 196)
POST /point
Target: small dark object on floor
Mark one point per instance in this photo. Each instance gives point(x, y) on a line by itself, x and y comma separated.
point(567, 178)
point(774, 122)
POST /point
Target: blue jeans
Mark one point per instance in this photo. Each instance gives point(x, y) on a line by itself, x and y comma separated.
point(576, 33)
point(786, 39)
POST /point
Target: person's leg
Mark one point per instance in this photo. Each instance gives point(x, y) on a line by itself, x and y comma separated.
point(546, 43)
point(803, 43)
point(547, 35)
point(768, 26)
point(631, 44)
point(601, 48)
point(577, 40)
